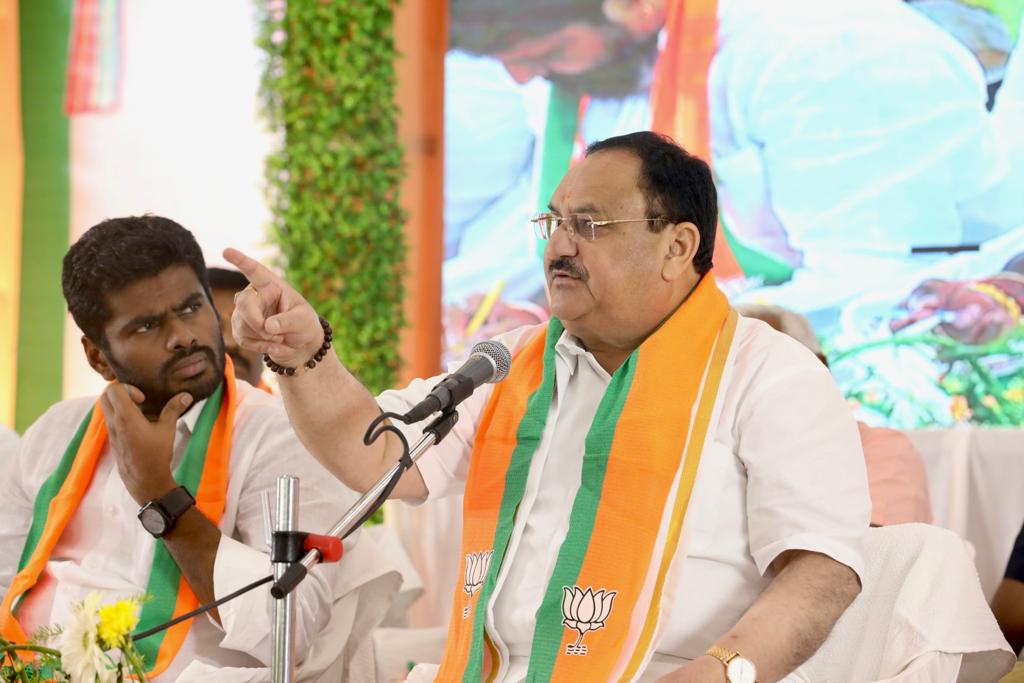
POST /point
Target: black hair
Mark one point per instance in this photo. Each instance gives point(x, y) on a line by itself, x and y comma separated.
point(225, 278)
point(489, 27)
point(116, 253)
point(677, 185)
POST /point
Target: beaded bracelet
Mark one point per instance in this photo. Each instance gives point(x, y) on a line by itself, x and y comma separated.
point(311, 363)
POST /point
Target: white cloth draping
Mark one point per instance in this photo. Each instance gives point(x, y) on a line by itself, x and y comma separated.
point(976, 482)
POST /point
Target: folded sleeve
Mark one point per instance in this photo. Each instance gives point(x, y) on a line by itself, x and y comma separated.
point(807, 484)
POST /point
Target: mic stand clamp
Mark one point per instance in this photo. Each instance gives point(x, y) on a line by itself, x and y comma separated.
point(293, 553)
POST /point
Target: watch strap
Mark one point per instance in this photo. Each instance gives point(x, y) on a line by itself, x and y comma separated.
point(722, 654)
point(176, 502)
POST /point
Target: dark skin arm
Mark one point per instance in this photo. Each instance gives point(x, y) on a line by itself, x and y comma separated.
point(143, 450)
point(1008, 607)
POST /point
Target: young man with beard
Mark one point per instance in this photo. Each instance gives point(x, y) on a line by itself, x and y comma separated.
point(155, 486)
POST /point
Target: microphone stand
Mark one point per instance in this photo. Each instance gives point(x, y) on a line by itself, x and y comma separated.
point(291, 566)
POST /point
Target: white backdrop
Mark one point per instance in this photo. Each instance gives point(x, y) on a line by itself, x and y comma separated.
point(185, 142)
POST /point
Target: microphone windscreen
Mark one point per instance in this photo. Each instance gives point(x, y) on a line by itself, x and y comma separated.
point(499, 355)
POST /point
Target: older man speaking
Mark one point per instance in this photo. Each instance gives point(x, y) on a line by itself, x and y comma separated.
point(660, 489)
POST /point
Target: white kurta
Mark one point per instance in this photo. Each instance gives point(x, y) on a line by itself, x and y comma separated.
point(784, 471)
point(104, 547)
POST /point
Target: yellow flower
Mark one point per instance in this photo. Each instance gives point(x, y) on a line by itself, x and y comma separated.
point(989, 401)
point(117, 622)
point(958, 408)
point(1016, 394)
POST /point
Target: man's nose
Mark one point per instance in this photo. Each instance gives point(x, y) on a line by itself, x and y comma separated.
point(179, 334)
point(561, 243)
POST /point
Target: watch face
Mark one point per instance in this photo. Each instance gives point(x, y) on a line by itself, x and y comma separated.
point(153, 521)
point(740, 670)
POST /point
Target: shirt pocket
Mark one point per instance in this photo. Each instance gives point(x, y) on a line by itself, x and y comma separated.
point(716, 511)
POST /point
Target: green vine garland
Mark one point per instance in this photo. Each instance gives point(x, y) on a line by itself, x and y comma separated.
point(329, 87)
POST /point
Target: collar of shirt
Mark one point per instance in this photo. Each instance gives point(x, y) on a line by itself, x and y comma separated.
point(570, 351)
point(184, 429)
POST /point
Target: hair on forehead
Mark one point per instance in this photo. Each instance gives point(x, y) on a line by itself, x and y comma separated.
point(676, 185)
point(119, 252)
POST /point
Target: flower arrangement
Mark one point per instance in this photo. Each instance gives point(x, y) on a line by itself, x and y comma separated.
point(95, 647)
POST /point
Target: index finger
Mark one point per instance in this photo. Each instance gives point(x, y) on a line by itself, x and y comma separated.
point(257, 273)
point(118, 401)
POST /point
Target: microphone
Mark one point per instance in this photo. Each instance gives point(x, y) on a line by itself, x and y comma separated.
point(489, 361)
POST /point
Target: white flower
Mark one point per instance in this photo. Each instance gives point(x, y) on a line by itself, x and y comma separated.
point(81, 655)
point(477, 565)
point(585, 611)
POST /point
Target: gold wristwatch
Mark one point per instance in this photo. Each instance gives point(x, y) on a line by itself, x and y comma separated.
point(737, 668)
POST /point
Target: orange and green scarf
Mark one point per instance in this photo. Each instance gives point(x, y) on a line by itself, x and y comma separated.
point(203, 471)
point(600, 615)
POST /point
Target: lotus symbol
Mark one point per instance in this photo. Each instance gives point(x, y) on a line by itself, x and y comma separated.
point(477, 565)
point(585, 611)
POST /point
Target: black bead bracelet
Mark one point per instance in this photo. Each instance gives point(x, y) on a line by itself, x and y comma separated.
point(311, 363)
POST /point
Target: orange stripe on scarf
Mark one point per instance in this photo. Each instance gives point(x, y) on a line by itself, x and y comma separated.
point(481, 503)
point(62, 508)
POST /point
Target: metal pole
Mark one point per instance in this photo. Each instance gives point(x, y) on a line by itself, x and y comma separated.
point(282, 657)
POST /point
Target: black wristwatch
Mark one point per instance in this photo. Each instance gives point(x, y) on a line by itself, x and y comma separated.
point(159, 516)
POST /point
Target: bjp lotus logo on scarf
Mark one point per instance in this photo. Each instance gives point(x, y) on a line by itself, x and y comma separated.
point(583, 612)
point(477, 565)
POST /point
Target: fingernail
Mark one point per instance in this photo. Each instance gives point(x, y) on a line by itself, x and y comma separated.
point(273, 326)
point(186, 399)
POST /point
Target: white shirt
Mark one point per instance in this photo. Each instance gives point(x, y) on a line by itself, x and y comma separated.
point(8, 443)
point(104, 547)
point(784, 471)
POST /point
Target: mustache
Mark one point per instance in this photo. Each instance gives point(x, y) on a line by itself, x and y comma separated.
point(165, 369)
point(569, 267)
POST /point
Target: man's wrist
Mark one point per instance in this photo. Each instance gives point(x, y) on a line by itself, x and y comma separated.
point(144, 492)
point(713, 667)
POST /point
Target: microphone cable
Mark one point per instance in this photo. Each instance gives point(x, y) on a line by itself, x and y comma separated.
point(375, 430)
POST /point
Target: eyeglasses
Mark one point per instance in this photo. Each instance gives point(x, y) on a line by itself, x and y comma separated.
point(577, 224)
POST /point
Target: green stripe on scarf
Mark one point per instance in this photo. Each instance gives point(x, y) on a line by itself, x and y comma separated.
point(49, 489)
point(527, 439)
point(559, 138)
point(165, 576)
point(547, 635)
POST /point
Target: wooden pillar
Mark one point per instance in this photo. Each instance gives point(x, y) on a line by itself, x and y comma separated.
point(421, 38)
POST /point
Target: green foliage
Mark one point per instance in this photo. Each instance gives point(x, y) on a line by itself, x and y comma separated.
point(984, 383)
point(329, 88)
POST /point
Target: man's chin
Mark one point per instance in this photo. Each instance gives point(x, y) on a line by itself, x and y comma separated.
point(200, 386)
point(566, 309)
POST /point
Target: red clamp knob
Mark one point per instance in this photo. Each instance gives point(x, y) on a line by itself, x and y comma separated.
point(329, 547)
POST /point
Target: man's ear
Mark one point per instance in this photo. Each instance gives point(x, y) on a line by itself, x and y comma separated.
point(97, 359)
point(682, 241)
